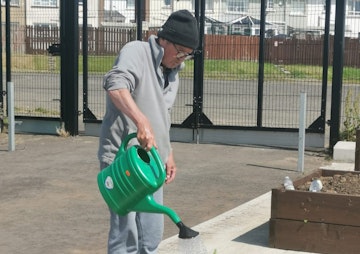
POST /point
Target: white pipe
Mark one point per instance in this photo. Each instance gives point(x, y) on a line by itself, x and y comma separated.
point(302, 121)
point(11, 116)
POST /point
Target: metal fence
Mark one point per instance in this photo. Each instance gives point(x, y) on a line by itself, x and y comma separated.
point(233, 94)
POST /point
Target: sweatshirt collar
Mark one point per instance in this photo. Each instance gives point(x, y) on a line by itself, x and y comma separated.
point(157, 50)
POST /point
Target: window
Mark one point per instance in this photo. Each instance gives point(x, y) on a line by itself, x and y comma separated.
point(209, 5)
point(12, 2)
point(130, 4)
point(270, 4)
point(354, 7)
point(238, 5)
point(51, 3)
point(297, 7)
point(167, 2)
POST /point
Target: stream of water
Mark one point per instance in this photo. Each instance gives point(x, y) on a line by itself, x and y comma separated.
point(192, 246)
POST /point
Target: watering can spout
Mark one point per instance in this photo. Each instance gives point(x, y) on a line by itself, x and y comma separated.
point(186, 232)
point(148, 204)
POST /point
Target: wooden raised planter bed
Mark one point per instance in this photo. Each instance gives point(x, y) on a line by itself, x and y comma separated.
point(315, 221)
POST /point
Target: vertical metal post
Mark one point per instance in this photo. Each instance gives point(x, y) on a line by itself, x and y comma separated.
point(302, 122)
point(337, 73)
point(139, 10)
point(199, 69)
point(85, 57)
point(357, 151)
point(325, 63)
point(69, 33)
point(197, 117)
point(8, 40)
point(11, 116)
point(261, 63)
point(1, 77)
point(10, 87)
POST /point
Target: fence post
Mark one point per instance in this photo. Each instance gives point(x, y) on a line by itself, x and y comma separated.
point(357, 151)
point(11, 116)
point(302, 121)
point(338, 64)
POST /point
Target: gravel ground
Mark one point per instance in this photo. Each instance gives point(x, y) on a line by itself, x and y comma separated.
point(50, 202)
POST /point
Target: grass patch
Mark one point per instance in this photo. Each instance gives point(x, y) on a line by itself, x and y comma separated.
point(36, 112)
point(352, 117)
point(213, 69)
point(350, 74)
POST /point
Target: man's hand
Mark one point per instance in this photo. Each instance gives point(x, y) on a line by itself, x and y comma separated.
point(170, 167)
point(145, 135)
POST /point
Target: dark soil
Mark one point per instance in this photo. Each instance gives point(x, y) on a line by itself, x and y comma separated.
point(339, 184)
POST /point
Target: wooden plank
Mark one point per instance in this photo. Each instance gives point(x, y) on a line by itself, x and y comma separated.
point(357, 150)
point(336, 172)
point(315, 206)
point(314, 237)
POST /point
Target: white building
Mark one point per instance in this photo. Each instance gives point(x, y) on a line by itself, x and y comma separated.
point(288, 16)
point(297, 15)
point(46, 13)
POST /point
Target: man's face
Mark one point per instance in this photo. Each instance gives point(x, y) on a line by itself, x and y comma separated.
point(175, 54)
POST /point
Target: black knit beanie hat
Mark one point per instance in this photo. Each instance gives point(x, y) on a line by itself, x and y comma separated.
point(181, 28)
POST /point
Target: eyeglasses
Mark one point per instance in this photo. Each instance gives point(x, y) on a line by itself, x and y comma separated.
point(182, 54)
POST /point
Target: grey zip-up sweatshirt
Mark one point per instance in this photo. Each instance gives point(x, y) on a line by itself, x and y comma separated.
point(138, 69)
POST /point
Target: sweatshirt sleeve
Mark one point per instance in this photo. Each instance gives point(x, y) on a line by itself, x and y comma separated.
point(126, 70)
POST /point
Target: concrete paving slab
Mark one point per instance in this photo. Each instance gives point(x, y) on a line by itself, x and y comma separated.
point(345, 166)
point(344, 151)
point(243, 229)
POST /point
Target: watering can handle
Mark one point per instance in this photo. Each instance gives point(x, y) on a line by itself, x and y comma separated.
point(153, 152)
point(124, 144)
point(159, 163)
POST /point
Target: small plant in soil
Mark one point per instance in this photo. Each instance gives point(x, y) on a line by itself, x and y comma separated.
point(352, 117)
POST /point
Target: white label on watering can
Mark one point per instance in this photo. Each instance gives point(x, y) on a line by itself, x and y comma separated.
point(109, 184)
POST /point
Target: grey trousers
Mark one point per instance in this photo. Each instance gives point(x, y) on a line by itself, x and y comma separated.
point(136, 233)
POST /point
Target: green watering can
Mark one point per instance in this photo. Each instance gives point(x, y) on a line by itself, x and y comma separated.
point(129, 182)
